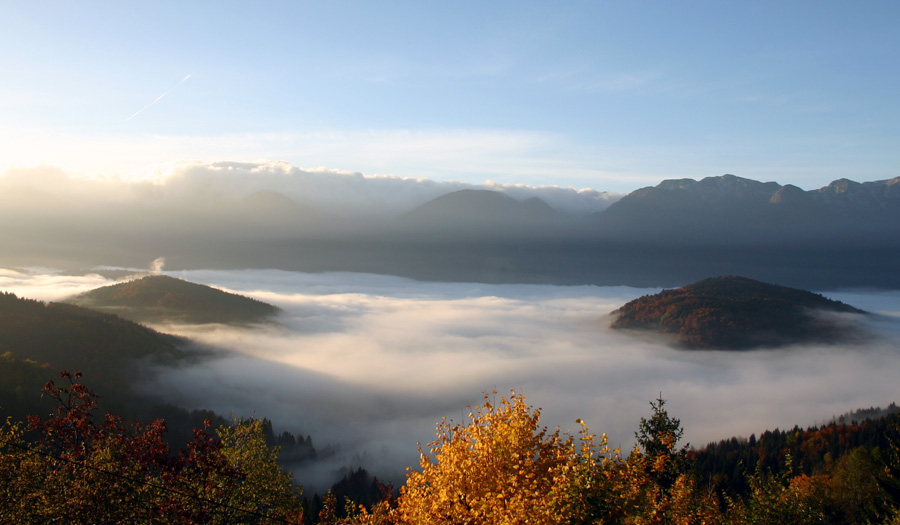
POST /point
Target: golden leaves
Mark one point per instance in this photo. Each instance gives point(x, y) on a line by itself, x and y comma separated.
point(500, 467)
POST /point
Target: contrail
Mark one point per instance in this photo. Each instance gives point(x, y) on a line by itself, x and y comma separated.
point(157, 99)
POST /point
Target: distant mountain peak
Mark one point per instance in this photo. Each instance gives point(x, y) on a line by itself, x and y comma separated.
point(674, 184)
point(480, 212)
point(843, 185)
point(789, 194)
point(471, 198)
point(714, 188)
point(737, 210)
point(739, 187)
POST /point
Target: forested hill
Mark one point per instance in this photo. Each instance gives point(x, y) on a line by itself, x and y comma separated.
point(843, 452)
point(73, 337)
point(37, 339)
point(160, 298)
point(732, 312)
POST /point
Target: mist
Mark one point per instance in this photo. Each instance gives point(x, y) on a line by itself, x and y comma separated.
point(274, 215)
point(371, 363)
point(197, 184)
point(256, 215)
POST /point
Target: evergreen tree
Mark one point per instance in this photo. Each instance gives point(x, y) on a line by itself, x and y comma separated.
point(657, 438)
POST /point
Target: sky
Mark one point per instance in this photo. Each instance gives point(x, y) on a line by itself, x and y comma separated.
point(372, 363)
point(605, 95)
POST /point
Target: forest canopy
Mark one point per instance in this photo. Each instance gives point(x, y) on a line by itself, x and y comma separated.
point(498, 466)
point(732, 312)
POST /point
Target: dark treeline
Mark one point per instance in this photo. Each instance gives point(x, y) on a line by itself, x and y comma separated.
point(728, 464)
point(38, 339)
point(502, 465)
point(356, 487)
point(71, 452)
point(864, 414)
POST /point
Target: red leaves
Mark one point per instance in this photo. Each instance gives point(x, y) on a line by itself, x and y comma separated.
point(98, 460)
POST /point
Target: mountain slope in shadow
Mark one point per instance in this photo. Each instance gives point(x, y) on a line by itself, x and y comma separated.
point(164, 299)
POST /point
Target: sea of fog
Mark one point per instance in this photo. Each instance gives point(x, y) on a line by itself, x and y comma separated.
point(370, 363)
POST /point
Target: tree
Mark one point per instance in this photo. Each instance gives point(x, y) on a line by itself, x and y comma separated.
point(657, 438)
point(778, 498)
point(261, 483)
point(653, 485)
point(501, 467)
point(84, 469)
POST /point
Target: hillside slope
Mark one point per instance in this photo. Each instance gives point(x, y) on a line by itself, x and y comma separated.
point(737, 313)
point(38, 339)
point(160, 298)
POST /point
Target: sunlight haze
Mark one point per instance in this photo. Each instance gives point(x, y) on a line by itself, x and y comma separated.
point(356, 220)
point(605, 95)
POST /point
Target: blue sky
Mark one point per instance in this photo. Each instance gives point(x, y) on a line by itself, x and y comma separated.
point(608, 95)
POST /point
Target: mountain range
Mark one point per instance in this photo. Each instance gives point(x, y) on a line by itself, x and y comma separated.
point(846, 234)
point(725, 208)
point(738, 210)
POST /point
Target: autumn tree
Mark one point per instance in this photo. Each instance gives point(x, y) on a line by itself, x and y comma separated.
point(779, 497)
point(653, 484)
point(501, 467)
point(85, 469)
point(657, 439)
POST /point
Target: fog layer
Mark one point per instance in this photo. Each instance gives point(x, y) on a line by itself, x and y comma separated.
point(371, 363)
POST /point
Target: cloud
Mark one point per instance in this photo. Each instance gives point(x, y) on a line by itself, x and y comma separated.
point(191, 183)
point(371, 363)
point(45, 284)
point(331, 187)
point(157, 265)
point(468, 155)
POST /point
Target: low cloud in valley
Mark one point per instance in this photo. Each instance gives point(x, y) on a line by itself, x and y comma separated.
point(371, 363)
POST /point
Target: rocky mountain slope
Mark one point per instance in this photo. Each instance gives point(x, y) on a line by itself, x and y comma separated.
point(739, 210)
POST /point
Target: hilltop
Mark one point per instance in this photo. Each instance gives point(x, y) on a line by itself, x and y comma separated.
point(737, 313)
point(160, 298)
point(479, 214)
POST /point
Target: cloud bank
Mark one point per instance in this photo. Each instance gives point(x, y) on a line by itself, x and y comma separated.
point(199, 183)
point(371, 363)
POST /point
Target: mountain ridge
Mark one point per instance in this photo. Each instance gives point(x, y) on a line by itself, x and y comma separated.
point(732, 209)
point(846, 234)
